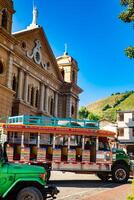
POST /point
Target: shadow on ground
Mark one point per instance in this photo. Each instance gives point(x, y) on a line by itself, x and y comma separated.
point(85, 183)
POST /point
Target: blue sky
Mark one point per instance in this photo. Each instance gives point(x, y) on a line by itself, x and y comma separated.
point(95, 36)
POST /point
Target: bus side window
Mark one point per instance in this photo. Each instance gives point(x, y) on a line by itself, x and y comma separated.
point(65, 140)
point(103, 144)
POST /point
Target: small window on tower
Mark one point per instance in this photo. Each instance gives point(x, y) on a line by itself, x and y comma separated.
point(72, 110)
point(23, 45)
point(14, 83)
point(73, 76)
point(4, 19)
point(63, 73)
point(1, 67)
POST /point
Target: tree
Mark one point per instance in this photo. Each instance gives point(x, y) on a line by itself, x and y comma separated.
point(83, 113)
point(92, 116)
point(128, 17)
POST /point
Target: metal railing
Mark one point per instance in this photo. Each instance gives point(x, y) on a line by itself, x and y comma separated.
point(53, 121)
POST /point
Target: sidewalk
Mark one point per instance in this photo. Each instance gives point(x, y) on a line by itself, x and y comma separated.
point(118, 193)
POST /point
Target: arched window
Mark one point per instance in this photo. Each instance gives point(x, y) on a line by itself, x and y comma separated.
point(73, 76)
point(4, 19)
point(32, 96)
point(63, 73)
point(14, 83)
point(72, 110)
point(51, 106)
point(1, 67)
point(37, 97)
point(28, 96)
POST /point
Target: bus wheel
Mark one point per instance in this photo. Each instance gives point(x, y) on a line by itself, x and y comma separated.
point(120, 174)
point(30, 193)
point(103, 176)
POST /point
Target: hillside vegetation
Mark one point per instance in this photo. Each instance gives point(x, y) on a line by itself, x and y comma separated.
point(106, 108)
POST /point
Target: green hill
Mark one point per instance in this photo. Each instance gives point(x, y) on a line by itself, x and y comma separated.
point(107, 107)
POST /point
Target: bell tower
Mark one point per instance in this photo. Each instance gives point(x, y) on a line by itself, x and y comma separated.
point(70, 97)
point(6, 14)
point(68, 67)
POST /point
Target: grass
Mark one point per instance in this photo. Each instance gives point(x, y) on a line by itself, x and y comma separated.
point(110, 113)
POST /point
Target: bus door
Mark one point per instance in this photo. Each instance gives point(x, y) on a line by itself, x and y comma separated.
point(103, 152)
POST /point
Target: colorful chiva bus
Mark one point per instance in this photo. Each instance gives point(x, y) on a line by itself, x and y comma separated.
point(66, 145)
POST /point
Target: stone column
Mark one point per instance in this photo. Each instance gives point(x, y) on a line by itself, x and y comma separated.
point(46, 99)
point(34, 97)
point(41, 97)
point(55, 104)
point(68, 106)
point(9, 83)
point(26, 87)
point(20, 85)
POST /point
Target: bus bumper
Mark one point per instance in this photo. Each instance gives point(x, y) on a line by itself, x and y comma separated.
point(50, 192)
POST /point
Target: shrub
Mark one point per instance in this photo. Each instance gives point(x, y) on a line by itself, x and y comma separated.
point(131, 197)
point(106, 107)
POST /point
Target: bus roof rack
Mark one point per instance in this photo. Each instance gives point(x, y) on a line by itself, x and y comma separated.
point(53, 121)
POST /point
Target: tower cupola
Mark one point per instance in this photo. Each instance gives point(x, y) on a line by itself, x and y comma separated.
point(68, 67)
point(6, 14)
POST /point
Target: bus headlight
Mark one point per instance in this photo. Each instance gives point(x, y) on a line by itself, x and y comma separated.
point(43, 177)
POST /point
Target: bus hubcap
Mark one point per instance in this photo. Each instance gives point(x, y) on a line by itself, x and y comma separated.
point(120, 174)
point(28, 197)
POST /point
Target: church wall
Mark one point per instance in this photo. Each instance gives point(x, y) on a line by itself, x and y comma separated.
point(20, 108)
point(62, 106)
point(4, 60)
point(5, 101)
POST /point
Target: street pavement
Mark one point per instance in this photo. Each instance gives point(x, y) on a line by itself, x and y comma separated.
point(88, 187)
point(118, 193)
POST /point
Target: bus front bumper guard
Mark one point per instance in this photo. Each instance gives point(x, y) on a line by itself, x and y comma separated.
point(50, 192)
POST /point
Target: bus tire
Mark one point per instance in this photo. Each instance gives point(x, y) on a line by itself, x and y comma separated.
point(103, 176)
point(120, 173)
point(31, 193)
